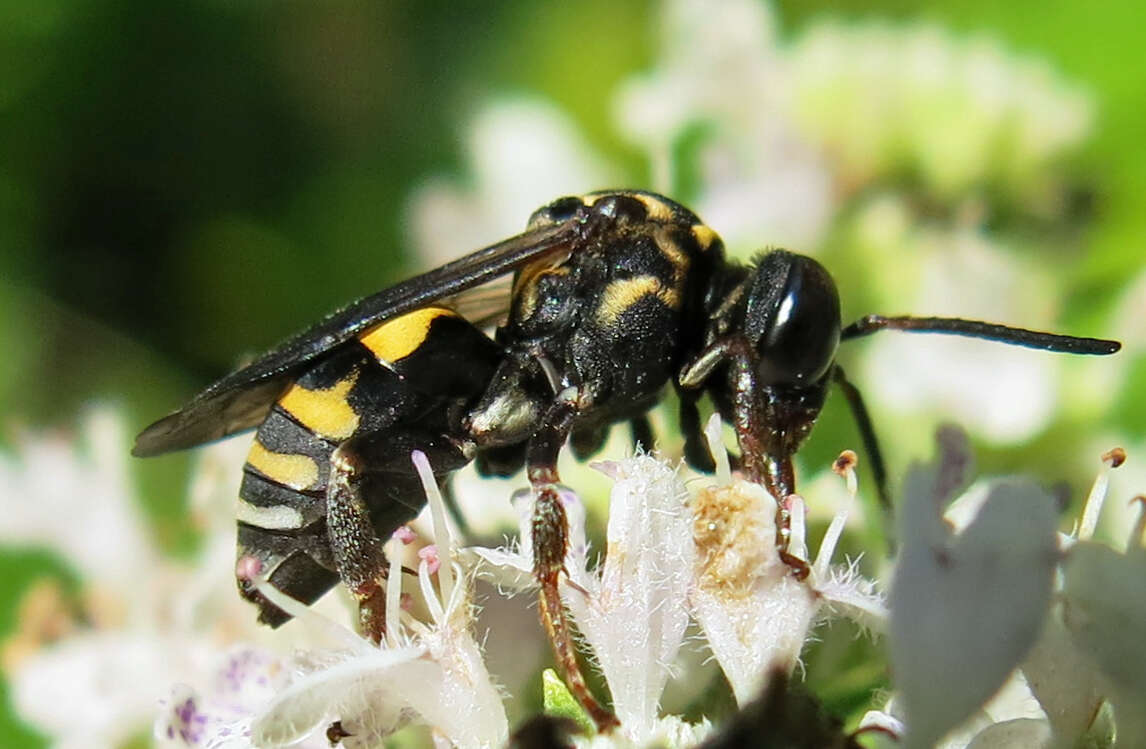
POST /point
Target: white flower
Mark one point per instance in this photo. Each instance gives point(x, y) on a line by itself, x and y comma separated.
point(220, 719)
point(963, 273)
point(158, 620)
point(711, 556)
point(755, 613)
point(972, 627)
point(967, 607)
point(635, 613)
point(1103, 613)
point(51, 480)
point(1012, 719)
point(882, 98)
point(424, 673)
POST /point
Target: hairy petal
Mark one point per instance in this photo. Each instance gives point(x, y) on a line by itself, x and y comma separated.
point(635, 620)
point(755, 615)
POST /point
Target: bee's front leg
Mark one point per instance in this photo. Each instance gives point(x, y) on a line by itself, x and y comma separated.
point(550, 533)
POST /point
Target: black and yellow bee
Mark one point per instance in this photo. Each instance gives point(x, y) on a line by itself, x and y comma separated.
point(614, 296)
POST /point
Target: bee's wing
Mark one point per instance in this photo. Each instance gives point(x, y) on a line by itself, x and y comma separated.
point(241, 399)
point(484, 306)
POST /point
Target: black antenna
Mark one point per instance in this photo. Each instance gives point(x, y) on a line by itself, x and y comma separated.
point(977, 329)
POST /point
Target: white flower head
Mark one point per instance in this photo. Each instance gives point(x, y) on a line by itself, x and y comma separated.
point(1087, 654)
point(882, 97)
point(711, 555)
point(85, 481)
point(964, 272)
point(756, 614)
point(519, 151)
point(140, 612)
point(219, 718)
point(723, 73)
point(429, 673)
point(632, 610)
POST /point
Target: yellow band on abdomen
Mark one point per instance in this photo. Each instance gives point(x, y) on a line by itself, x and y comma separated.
point(296, 472)
point(400, 337)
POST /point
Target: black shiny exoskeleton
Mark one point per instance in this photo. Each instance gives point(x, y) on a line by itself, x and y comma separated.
point(332, 456)
point(615, 295)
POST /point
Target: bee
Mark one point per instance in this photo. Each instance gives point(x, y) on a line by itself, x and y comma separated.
point(614, 296)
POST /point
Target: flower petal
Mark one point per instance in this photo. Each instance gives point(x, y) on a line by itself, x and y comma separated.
point(966, 607)
point(1105, 613)
point(1022, 733)
point(636, 619)
point(755, 615)
point(1065, 681)
point(341, 690)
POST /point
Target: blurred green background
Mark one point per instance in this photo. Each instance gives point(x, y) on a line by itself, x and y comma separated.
point(183, 182)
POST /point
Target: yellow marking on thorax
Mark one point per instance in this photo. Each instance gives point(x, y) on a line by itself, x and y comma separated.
point(400, 337)
point(524, 292)
point(297, 472)
point(327, 413)
point(621, 294)
point(705, 236)
point(658, 209)
point(675, 254)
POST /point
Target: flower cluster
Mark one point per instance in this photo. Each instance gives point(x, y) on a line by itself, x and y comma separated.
point(142, 621)
point(1033, 631)
point(671, 555)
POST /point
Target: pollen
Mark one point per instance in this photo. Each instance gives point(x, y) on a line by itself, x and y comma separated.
point(734, 529)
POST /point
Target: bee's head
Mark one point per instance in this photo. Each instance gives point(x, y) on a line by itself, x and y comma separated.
point(558, 212)
point(773, 332)
point(792, 316)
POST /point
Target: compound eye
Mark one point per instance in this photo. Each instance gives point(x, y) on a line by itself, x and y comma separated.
point(556, 212)
point(794, 317)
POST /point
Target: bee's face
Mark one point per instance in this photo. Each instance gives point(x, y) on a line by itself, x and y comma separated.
point(792, 315)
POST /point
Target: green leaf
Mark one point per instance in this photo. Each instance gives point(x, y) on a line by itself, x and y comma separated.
point(560, 703)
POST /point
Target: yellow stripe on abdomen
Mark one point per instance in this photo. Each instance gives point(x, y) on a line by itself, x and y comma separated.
point(327, 413)
point(296, 472)
point(272, 518)
point(400, 337)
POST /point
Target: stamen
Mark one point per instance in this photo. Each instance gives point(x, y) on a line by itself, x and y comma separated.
point(393, 599)
point(430, 555)
point(1093, 507)
point(714, 437)
point(248, 567)
point(798, 538)
point(405, 535)
point(429, 594)
point(455, 599)
point(438, 517)
point(304, 613)
point(1116, 456)
point(845, 466)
